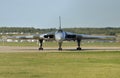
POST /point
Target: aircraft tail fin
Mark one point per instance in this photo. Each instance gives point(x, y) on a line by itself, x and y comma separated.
point(59, 23)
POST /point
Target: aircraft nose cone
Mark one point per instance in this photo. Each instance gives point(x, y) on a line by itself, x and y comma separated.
point(59, 38)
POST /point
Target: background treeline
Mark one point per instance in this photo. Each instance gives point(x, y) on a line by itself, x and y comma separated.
point(105, 31)
point(24, 30)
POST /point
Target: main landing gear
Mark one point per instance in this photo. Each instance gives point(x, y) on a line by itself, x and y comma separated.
point(41, 44)
point(78, 42)
point(60, 45)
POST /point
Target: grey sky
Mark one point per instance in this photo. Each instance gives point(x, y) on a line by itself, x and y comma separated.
point(74, 13)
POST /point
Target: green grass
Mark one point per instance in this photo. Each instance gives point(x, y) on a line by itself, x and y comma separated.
point(60, 65)
point(65, 44)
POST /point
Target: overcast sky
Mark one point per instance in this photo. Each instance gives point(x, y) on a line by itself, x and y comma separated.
point(74, 13)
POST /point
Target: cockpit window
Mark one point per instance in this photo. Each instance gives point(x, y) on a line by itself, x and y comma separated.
point(60, 30)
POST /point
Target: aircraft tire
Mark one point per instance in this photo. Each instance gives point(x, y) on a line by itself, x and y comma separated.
point(79, 49)
point(60, 49)
point(40, 48)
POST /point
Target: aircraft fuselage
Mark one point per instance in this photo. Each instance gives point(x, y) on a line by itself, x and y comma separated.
point(60, 35)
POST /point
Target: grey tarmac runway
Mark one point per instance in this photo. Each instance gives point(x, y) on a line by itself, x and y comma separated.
point(6, 49)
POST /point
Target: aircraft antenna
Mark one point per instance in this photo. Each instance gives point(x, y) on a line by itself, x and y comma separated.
point(59, 22)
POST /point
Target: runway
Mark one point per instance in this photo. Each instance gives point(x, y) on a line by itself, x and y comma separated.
point(4, 49)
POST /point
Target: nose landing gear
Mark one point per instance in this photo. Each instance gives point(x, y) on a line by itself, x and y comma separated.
point(60, 46)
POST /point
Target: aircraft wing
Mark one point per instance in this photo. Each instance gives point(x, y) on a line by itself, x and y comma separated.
point(74, 36)
point(24, 37)
point(84, 36)
point(35, 36)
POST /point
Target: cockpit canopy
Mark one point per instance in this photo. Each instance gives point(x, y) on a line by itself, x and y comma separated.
point(60, 31)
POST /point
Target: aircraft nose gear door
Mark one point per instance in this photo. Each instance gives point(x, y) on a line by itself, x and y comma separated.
point(41, 44)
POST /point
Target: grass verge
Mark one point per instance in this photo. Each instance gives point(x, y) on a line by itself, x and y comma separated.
point(60, 65)
point(68, 44)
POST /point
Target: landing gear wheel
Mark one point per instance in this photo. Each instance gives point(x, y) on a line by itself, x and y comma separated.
point(78, 48)
point(60, 49)
point(40, 48)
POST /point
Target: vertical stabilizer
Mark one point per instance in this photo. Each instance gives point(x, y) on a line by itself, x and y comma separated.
point(59, 23)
